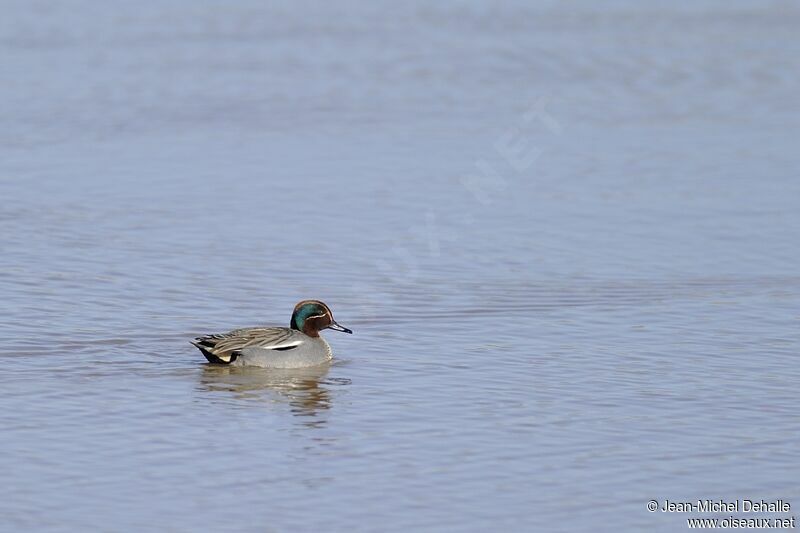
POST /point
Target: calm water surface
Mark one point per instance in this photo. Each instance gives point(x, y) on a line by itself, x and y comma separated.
point(566, 239)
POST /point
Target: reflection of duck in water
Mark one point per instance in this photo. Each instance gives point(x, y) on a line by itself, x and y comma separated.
point(306, 389)
point(297, 346)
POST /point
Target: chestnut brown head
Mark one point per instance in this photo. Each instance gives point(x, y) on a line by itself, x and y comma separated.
point(311, 316)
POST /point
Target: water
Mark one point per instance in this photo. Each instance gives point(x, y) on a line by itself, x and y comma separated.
point(565, 237)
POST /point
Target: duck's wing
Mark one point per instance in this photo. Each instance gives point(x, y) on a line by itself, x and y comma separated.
point(225, 347)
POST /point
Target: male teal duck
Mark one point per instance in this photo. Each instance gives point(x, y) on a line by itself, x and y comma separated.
point(297, 346)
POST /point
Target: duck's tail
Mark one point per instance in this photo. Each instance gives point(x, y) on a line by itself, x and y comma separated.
point(206, 345)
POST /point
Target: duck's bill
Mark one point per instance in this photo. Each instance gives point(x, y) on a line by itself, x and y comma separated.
point(339, 327)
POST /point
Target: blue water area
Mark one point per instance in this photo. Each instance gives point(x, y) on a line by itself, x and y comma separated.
point(565, 235)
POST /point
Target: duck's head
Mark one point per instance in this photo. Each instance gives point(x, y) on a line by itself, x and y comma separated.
point(311, 316)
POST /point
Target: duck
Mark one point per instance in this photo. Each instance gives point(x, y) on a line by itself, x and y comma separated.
point(298, 346)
